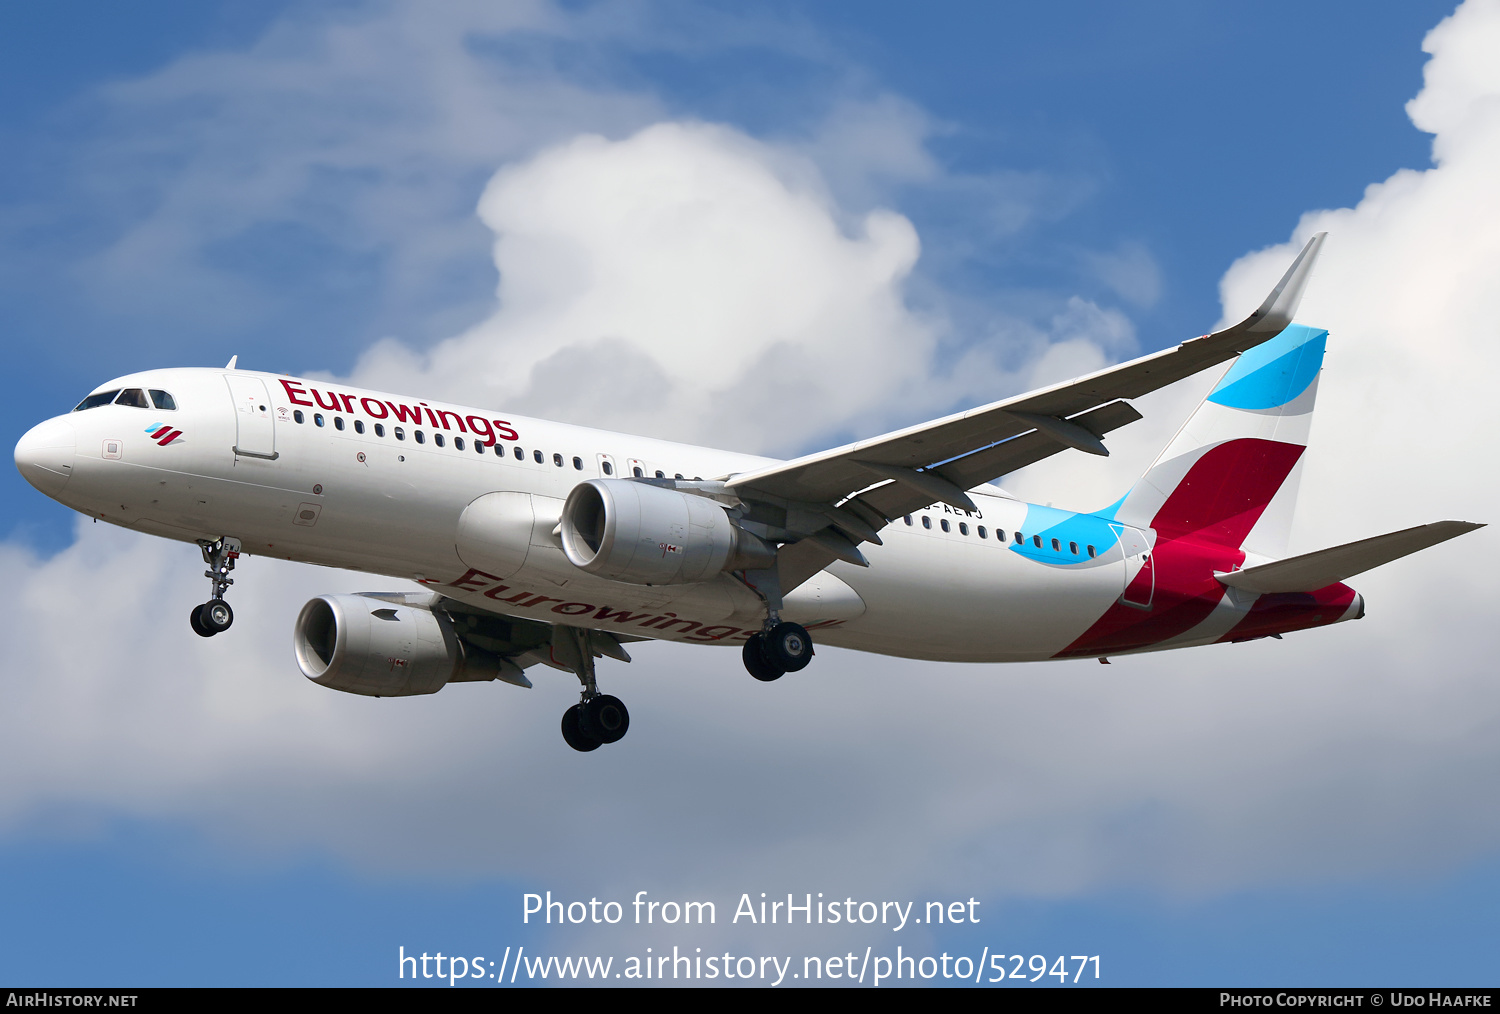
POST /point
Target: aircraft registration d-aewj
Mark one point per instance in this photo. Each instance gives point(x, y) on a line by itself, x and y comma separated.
point(543, 543)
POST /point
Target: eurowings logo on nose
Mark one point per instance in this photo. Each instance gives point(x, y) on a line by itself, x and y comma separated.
point(163, 434)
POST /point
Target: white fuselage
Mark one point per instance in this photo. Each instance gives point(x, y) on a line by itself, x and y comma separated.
point(331, 490)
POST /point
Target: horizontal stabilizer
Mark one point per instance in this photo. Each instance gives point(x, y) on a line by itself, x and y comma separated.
point(1312, 571)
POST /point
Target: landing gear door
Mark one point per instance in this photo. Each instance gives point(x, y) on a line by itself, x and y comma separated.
point(1140, 578)
point(255, 435)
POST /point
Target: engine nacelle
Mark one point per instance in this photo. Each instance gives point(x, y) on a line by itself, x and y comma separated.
point(386, 646)
point(645, 534)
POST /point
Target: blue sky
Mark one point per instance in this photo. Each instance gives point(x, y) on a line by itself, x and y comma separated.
point(298, 184)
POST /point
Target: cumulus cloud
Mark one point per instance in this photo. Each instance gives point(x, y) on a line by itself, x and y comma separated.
point(690, 280)
point(687, 275)
point(683, 280)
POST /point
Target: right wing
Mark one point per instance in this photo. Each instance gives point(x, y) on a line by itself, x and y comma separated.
point(850, 492)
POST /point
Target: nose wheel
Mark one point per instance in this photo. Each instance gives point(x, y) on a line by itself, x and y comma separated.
point(215, 616)
point(211, 618)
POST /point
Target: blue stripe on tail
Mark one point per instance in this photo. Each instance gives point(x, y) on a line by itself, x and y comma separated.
point(1274, 373)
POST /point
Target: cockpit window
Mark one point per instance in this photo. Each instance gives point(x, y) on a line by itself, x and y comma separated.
point(95, 400)
point(134, 397)
point(163, 400)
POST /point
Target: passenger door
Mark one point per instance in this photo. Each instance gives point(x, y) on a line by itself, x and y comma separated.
point(256, 431)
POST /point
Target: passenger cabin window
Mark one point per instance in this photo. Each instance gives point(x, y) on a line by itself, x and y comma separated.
point(163, 400)
point(338, 422)
point(437, 438)
point(520, 454)
point(318, 418)
point(999, 534)
point(134, 397)
point(608, 468)
point(578, 464)
point(1091, 552)
point(946, 527)
point(1073, 548)
point(660, 474)
point(926, 521)
point(537, 457)
point(678, 476)
point(297, 416)
point(359, 426)
point(963, 529)
point(639, 474)
point(419, 436)
point(557, 459)
point(1036, 540)
point(907, 519)
point(399, 433)
point(982, 534)
point(458, 443)
point(1056, 546)
point(379, 430)
point(95, 400)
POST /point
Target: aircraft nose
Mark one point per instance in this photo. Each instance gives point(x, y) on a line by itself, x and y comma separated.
point(44, 456)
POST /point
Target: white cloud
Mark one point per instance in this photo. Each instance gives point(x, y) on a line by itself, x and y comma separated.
point(692, 282)
point(685, 280)
point(1329, 754)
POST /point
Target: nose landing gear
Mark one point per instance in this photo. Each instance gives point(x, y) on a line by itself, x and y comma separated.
point(215, 616)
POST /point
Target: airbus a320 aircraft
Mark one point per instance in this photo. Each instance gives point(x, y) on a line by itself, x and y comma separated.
point(542, 543)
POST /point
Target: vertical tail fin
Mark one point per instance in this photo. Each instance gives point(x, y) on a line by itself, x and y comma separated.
point(1230, 475)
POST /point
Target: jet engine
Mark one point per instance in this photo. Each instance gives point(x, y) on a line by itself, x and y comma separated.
point(387, 646)
point(646, 534)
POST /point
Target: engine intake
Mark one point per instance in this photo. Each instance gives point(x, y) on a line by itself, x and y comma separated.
point(386, 646)
point(644, 534)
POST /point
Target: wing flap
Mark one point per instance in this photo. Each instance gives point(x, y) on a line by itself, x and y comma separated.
point(1312, 571)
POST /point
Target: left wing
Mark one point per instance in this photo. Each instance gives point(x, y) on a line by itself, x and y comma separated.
point(838, 498)
point(1311, 571)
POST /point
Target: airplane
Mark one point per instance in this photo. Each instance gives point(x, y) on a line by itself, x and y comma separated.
point(543, 543)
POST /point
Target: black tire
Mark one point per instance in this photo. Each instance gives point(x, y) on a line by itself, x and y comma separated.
point(215, 616)
point(196, 619)
point(575, 736)
point(788, 646)
point(604, 718)
point(756, 662)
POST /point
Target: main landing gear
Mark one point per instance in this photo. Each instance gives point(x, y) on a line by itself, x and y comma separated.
point(597, 718)
point(215, 616)
point(782, 646)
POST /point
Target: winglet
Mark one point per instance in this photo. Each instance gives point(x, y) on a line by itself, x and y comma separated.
point(232, 361)
point(1281, 305)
